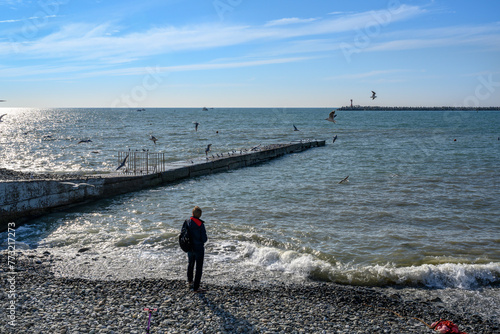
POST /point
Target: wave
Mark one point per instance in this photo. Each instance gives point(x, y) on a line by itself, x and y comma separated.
point(447, 275)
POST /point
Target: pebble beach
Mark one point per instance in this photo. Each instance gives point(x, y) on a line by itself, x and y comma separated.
point(45, 303)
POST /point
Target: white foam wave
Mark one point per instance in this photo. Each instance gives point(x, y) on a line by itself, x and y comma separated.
point(448, 275)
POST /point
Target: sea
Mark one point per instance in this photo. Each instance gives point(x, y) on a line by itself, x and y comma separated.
point(418, 214)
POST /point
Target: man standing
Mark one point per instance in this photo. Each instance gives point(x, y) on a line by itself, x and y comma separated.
point(198, 236)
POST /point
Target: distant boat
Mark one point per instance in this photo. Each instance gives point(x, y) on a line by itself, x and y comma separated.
point(205, 109)
point(141, 109)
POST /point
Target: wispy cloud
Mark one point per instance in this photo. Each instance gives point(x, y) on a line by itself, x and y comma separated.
point(29, 18)
point(291, 20)
point(487, 35)
point(370, 74)
point(84, 41)
point(107, 48)
point(10, 21)
point(10, 2)
point(87, 71)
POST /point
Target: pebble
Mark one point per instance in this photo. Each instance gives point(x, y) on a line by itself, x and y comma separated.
point(49, 304)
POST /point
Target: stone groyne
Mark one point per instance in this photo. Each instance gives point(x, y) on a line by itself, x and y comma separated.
point(443, 108)
point(21, 200)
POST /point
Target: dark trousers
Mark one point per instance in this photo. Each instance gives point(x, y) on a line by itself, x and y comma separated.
point(195, 257)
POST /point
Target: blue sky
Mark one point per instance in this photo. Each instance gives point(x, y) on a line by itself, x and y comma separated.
point(249, 53)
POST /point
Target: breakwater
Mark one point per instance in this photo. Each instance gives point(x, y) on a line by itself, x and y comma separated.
point(21, 200)
point(444, 108)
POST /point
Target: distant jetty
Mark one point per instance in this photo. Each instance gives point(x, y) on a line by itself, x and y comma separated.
point(419, 108)
point(26, 196)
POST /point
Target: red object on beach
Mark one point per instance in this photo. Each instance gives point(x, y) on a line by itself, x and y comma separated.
point(445, 327)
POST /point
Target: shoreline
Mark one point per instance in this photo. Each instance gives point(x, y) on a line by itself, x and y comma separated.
point(46, 303)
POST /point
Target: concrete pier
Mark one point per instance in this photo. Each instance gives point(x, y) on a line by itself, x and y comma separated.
point(24, 200)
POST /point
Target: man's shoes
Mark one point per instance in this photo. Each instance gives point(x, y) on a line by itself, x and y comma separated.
point(200, 291)
point(190, 284)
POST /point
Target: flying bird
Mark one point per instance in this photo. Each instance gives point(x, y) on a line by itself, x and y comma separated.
point(196, 126)
point(153, 138)
point(374, 95)
point(77, 185)
point(85, 141)
point(344, 180)
point(295, 128)
point(334, 138)
point(123, 163)
point(331, 117)
point(2, 117)
point(207, 149)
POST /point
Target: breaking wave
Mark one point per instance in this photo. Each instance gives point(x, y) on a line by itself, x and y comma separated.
point(448, 275)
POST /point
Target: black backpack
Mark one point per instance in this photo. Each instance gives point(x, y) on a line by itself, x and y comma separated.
point(184, 238)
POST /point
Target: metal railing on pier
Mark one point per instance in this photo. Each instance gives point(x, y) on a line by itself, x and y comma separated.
point(135, 162)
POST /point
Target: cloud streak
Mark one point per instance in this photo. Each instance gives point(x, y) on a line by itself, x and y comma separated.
point(285, 21)
point(84, 41)
point(74, 72)
point(102, 46)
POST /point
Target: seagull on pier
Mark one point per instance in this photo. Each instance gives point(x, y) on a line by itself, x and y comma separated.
point(374, 95)
point(123, 163)
point(331, 117)
point(295, 128)
point(2, 117)
point(153, 138)
point(196, 126)
point(256, 147)
point(85, 141)
point(207, 149)
point(345, 180)
point(77, 185)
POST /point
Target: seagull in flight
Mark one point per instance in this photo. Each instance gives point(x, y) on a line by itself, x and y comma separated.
point(2, 117)
point(374, 95)
point(123, 163)
point(77, 185)
point(331, 117)
point(344, 180)
point(334, 138)
point(295, 128)
point(153, 138)
point(207, 149)
point(196, 126)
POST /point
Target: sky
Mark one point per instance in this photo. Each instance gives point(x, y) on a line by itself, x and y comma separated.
point(249, 53)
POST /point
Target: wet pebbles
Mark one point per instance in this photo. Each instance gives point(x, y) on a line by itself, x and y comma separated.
point(49, 304)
